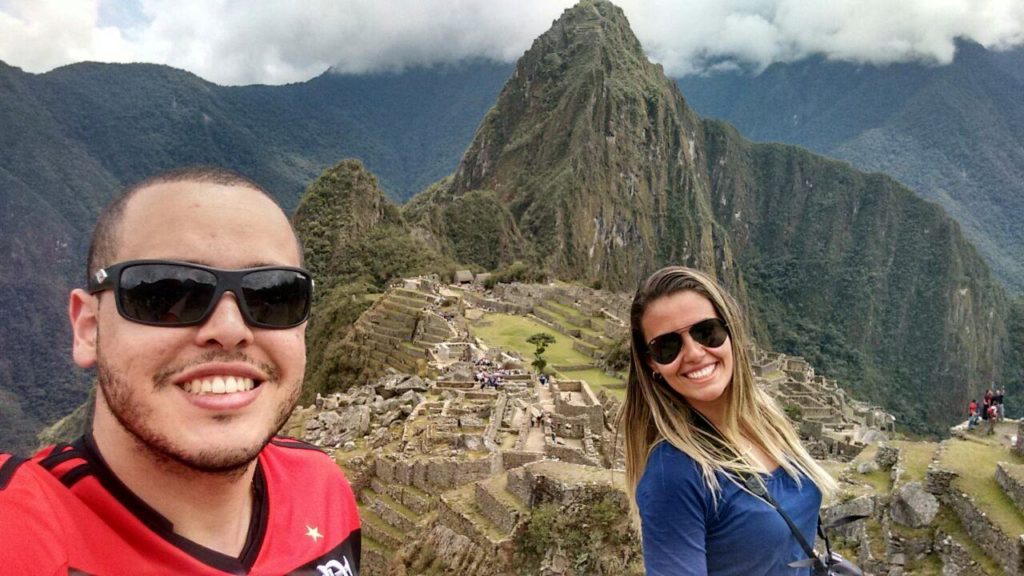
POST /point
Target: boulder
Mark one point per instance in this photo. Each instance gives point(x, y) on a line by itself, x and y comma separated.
point(860, 506)
point(867, 467)
point(912, 506)
point(412, 384)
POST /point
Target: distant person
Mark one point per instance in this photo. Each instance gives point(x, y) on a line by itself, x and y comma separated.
point(997, 400)
point(993, 414)
point(194, 315)
point(972, 414)
point(698, 430)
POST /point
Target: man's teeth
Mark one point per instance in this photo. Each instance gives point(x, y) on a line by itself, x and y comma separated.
point(702, 373)
point(218, 385)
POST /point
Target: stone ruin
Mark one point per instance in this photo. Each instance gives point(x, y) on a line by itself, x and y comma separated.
point(433, 454)
point(832, 424)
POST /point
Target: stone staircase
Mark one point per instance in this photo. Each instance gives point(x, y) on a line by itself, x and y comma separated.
point(399, 330)
point(390, 513)
point(486, 513)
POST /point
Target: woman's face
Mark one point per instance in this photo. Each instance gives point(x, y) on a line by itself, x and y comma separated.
point(699, 373)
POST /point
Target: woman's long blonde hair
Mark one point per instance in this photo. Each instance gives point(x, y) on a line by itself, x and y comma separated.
point(653, 412)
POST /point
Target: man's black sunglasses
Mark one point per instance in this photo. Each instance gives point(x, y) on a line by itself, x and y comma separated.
point(170, 293)
point(710, 333)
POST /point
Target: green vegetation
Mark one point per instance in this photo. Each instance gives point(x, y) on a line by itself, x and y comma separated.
point(327, 362)
point(618, 356)
point(589, 532)
point(540, 341)
point(974, 461)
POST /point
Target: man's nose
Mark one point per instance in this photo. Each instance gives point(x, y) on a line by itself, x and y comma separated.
point(225, 326)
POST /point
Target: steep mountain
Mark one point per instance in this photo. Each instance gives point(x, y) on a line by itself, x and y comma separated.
point(607, 174)
point(953, 133)
point(355, 241)
point(73, 137)
point(597, 159)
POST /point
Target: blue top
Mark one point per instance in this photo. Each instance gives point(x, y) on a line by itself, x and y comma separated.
point(684, 533)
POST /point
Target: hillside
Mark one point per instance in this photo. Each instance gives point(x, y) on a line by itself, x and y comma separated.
point(953, 133)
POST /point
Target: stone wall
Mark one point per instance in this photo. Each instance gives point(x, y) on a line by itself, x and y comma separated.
point(407, 496)
point(514, 459)
point(503, 516)
point(496, 417)
point(1006, 550)
point(957, 559)
point(570, 454)
point(496, 305)
point(452, 519)
point(1018, 446)
point(592, 410)
point(1011, 479)
point(430, 474)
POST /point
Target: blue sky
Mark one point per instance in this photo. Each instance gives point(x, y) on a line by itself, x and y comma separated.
point(280, 41)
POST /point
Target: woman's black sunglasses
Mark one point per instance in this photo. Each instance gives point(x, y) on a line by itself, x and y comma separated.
point(170, 293)
point(710, 333)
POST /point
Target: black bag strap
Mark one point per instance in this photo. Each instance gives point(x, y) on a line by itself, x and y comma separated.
point(757, 488)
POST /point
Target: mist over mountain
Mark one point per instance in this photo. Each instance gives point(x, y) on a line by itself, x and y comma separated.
point(954, 133)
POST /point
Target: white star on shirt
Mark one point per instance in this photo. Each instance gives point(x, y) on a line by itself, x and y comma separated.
point(313, 532)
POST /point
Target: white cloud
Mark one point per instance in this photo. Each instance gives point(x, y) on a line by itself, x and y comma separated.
point(43, 34)
point(693, 35)
point(277, 41)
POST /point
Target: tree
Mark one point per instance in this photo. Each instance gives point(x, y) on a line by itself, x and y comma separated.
point(541, 340)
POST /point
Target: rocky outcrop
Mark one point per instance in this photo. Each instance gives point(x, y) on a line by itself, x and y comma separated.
point(912, 506)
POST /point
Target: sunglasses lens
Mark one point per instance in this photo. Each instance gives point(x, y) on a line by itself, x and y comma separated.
point(710, 333)
point(165, 293)
point(665, 348)
point(277, 298)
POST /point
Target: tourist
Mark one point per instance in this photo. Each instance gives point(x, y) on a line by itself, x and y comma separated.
point(701, 438)
point(972, 414)
point(993, 414)
point(194, 317)
point(997, 401)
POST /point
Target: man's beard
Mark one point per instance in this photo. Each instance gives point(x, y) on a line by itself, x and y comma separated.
point(134, 416)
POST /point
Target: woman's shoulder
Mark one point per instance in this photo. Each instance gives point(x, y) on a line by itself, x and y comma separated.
point(668, 466)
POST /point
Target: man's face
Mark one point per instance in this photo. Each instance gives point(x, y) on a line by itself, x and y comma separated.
point(150, 376)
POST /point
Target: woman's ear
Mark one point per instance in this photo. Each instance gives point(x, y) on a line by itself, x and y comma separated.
point(83, 309)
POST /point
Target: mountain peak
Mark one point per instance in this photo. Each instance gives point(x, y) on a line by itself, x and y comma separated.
point(593, 149)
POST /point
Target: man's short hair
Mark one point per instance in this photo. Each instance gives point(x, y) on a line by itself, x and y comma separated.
point(104, 243)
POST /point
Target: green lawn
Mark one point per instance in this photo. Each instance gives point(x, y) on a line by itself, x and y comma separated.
point(916, 457)
point(975, 462)
point(509, 332)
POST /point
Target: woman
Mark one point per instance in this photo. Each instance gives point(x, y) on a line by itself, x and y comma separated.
point(697, 428)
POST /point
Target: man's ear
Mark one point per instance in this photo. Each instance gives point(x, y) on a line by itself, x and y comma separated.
point(83, 310)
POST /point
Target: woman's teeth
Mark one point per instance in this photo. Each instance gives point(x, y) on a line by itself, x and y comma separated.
point(702, 373)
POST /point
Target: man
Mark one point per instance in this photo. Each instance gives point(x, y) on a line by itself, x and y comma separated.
point(194, 317)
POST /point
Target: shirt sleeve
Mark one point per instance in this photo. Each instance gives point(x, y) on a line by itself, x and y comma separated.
point(673, 503)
